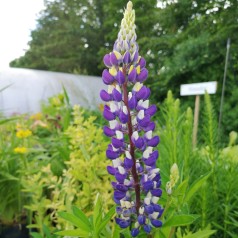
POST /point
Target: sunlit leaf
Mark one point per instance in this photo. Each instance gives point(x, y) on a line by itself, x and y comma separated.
point(79, 214)
point(195, 186)
point(106, 219)
point(180, 220)
point(97, 212)
point(74, 233)
point(75, 221)
point(201, 234)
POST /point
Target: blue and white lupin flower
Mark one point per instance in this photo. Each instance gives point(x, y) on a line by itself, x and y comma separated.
point(133, 146)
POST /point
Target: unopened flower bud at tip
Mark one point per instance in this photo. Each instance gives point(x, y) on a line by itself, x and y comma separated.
point(129, 6)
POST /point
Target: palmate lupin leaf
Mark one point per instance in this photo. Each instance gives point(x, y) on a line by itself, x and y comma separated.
point(87, 226)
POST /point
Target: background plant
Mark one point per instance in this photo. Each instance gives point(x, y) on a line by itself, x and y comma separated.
point(183, 41)
point(195, 208)
point(205, 187)
point(93, 226)
point(15, 141)
point(71, 186)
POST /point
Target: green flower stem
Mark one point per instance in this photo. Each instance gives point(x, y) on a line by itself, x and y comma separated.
point(214, 183)
point(166, 206)
point(227, 208)
point(204, 207)
point(171, 232)
point(19, 196)
point(24, 159)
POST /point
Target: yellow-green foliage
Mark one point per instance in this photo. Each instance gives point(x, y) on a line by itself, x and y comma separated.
point(231, 151)
point(85, 175)
point(88, 161)
point(15, 140)
point(49, 196)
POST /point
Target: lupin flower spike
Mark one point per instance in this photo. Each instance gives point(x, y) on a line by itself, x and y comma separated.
point(132, 148)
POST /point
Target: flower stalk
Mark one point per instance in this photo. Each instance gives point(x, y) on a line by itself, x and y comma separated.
point(133, 147)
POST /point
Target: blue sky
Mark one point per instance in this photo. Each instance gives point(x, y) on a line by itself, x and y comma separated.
point(17, 19)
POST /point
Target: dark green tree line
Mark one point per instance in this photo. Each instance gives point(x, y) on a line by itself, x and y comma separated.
point(192, 48)
point(73, 35)
point(183, 42)
point(192, 39)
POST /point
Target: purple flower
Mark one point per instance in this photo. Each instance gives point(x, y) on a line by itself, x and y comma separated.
point(105, 96)
point(135, 232)
point(133, 146)
point(156, 223)
point(107, 77)
point(147, 228)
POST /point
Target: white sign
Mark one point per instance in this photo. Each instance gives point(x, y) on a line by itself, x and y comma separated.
point(198, 88)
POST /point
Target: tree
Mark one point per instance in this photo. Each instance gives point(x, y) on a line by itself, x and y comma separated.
point(191, 47)
point(183, 42)
point(73, 35)
point(192, 41)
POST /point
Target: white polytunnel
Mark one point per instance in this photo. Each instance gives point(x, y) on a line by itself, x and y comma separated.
point(24, 90)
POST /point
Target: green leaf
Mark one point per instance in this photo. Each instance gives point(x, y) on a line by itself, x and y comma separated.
point(8, 176)
point(76, 232)
point(195, 186)
point(84, 152)
point(79, 214)
point(125, 232)
point(163, 232)
point(75, 221)
point(3, 121)
point(181, 191)
point(46, 231)
point(33, 225)
point(180, 220)
point(97, 212)
point(201, 234)
point(66, 95)
point(36, 235)
point(116, 231)
point(106, 219)
point(181, 188)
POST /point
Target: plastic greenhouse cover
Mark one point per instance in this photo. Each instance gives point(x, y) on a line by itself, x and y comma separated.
point(23, 90)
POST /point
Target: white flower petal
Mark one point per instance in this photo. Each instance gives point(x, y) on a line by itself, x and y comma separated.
point(141, 114)
point(110, 88)
point(137, 87)
point(113, 107)
point(127, 204)
point(155, 199)
point(148, 135)
point(118, 88)
point(134, 121)
point(141, 210)
point(122, 202)
point(128, 155)
point(119, 135)
point(113, 124)
point(121, 170)
point(135, 135)
point(154, 215)
point(116, 162)
point(124, 109)
point(127, 182)
point(129, 95)
point(147, 201)
point(147, 152)
point(145, 104)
